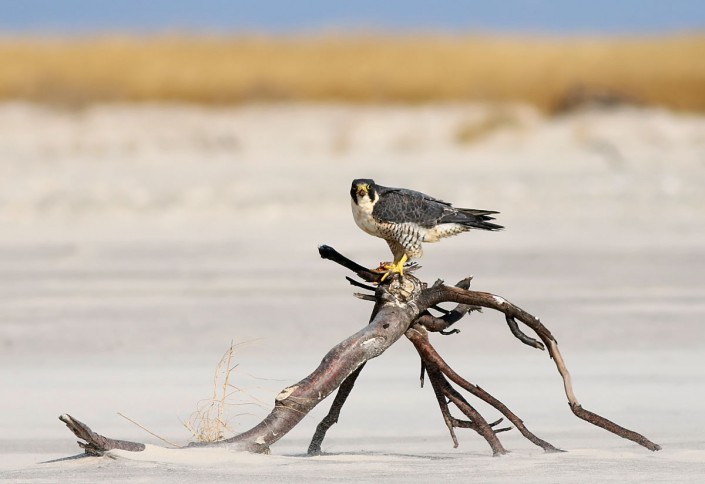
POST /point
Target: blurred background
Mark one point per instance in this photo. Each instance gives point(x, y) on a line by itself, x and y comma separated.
point(168, 169)
point(549, 54)
point(176, 113)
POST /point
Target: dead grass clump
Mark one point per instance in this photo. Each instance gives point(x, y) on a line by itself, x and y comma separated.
point(211, 420)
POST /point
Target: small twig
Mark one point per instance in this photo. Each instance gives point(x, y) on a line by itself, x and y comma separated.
point(497, 422)
point(437, 283)
point(467, 424)
point(355, 283)
point(527, 340)
point(440, 309)
point(442, 323)
point(149, 431)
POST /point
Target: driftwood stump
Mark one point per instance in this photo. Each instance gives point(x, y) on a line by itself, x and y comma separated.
point(402, 307)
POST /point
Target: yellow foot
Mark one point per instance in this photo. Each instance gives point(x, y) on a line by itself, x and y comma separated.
point(397, 267)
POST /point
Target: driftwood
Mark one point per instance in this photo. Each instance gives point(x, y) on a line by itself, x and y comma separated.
point(402, 307)
point(95, 443)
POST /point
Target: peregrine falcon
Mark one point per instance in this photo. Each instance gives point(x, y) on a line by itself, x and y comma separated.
point(405, 219)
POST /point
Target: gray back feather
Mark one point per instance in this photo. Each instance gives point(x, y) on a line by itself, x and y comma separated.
point(400, 205)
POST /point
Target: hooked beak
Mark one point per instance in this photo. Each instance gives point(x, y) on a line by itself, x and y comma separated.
point(362, 190)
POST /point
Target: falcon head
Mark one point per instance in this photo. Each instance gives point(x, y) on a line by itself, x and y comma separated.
point(364, 191)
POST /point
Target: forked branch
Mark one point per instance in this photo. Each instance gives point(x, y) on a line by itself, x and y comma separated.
point(444, 293)
point(468, 300)
point(418, 335)
point(402, 307)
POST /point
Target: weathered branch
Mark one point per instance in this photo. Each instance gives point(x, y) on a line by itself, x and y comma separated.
point(97, 444)
point(453, 294)
point(527, 340)
point(449, 318)
point(438, 323)
point(397, 308)
point(329, 253)
point(444, 392)
point(419, 337)
point(400, 302)
point(314, 448)
point(345, 388)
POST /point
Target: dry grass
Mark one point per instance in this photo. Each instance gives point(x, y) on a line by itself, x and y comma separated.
point(212, 418)
point(666, 71)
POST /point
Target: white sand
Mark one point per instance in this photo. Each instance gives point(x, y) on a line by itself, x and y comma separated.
point(137, 242)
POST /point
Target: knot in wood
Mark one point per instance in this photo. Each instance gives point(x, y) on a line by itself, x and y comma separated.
point(405, 289)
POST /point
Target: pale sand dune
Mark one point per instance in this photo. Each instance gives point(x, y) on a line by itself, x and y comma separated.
point(137, 242)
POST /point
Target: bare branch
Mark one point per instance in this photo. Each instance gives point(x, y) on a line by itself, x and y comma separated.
point(484, 299)
point(97, 444)
point(395, 309)
point(592, 417)
point(429, 355)
point(331, 418)
point(527, 340)
point(480, 425)
point(328, 252)
point(442, 323)
point(355, 283)
point(400, 302)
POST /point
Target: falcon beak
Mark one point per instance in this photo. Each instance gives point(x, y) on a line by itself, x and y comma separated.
point(362, 190)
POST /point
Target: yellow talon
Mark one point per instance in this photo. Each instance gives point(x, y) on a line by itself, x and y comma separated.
point(395, 267)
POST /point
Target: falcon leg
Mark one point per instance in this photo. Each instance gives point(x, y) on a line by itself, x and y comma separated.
point(397, 266)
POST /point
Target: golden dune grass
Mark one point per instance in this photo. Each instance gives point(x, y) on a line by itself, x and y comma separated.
point(666, 71)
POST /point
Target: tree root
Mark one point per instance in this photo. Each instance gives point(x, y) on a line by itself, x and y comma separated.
point(418, 335)
point(487, 300)
point(439, 371)
point(402, 307)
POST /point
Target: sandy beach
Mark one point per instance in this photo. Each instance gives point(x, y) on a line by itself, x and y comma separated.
point(138, 241)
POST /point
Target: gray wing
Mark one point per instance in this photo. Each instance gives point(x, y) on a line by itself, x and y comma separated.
point(398, 205)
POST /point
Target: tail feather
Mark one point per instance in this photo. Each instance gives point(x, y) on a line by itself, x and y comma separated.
point(469, 217)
